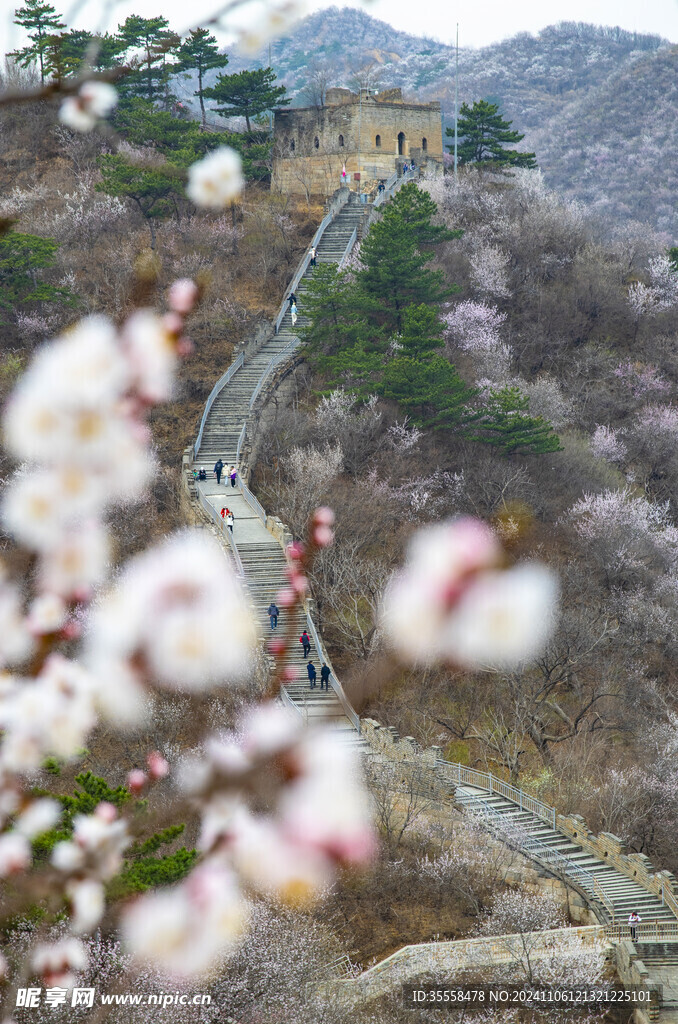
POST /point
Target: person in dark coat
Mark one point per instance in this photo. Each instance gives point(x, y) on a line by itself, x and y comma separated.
point(325, 676)
point(310, 668)
point(202, 475)
point(305, 640)
point(273, 611)
point(292, 299)
point(218, 469)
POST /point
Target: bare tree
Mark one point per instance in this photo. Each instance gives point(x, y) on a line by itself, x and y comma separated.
point(318, 79)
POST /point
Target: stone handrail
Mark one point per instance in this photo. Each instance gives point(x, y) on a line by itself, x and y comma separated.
point(411, 963)
point(339, 200)
point(611, 849)
point(349, 710)
point(223, 380)
point(555, 861)
point(463, 775)
point(279, 358)
point(646, 931)
point(349, 246)
point(606, 846)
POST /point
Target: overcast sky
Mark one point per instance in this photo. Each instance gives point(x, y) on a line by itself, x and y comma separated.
point(480, 22)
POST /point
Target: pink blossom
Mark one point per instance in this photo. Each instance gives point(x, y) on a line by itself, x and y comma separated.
point(136, 780)
point(183, 295)
point(58, 962)
point(158, 767)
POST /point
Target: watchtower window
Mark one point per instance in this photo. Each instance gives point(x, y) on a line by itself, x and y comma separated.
point(292, 144)
point(316, 142)
point(377, 141)
point(341, 141)
point(401, 143)
point(424, 144)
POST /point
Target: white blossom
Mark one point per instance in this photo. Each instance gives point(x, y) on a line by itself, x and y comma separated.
point(39, 817)
point(87, 898)
point(98, 843)
point(15, 853)
point(47, 614)
point(152, 352)
point(179, 609)
point(186, 930)
point(78, 562)
point(16, 642)
point(93, 101)
point(450, 603)
point(58, 963)
point(273, 22)
point(503, 619)
point(51, 715)
point(217, 179)
point(606, 443)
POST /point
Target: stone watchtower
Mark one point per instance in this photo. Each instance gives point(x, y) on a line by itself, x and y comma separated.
point(370, 134)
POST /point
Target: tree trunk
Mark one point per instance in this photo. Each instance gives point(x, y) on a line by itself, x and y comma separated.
point(234, 222)
point(202, 102)
point(151, 228)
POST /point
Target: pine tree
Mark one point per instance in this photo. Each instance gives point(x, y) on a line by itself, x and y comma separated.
point(335, 312)
point(414, 207)
point(422, 332)
point(507, 424)
point(673, 257)
point(150, 187)
point(141, 869)
point(199, 52)
point(140, 122)
point(432, 392)
point(247, 93)
point(483, 134)
point(357, 368)
point(152, 37)
point(394, 271)
point(40, 20)
point(66, 54)
point(22, 258)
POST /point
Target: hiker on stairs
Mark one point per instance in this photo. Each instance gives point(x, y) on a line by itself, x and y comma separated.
point(312, 676)
point(325, 677)
point(218, 469)
point(305, 640)
point(634, 921)
point(273, 611)
point(232, 473)
point(229, 519)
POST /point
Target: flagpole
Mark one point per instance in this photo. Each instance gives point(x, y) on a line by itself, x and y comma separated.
point(456, 102)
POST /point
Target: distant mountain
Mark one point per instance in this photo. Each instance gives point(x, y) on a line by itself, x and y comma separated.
point(616, 147)
point(598, 105)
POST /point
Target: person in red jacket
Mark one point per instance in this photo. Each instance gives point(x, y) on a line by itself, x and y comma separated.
point(306, 641)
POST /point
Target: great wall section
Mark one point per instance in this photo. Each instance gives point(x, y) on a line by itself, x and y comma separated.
point(604, 882)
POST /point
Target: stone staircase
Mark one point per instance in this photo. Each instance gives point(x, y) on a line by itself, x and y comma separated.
point(615, 894)
point(231, 407)
point(262, 557)
point(661, 961)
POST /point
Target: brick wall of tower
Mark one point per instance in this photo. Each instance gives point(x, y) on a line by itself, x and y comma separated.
point(311, 144)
